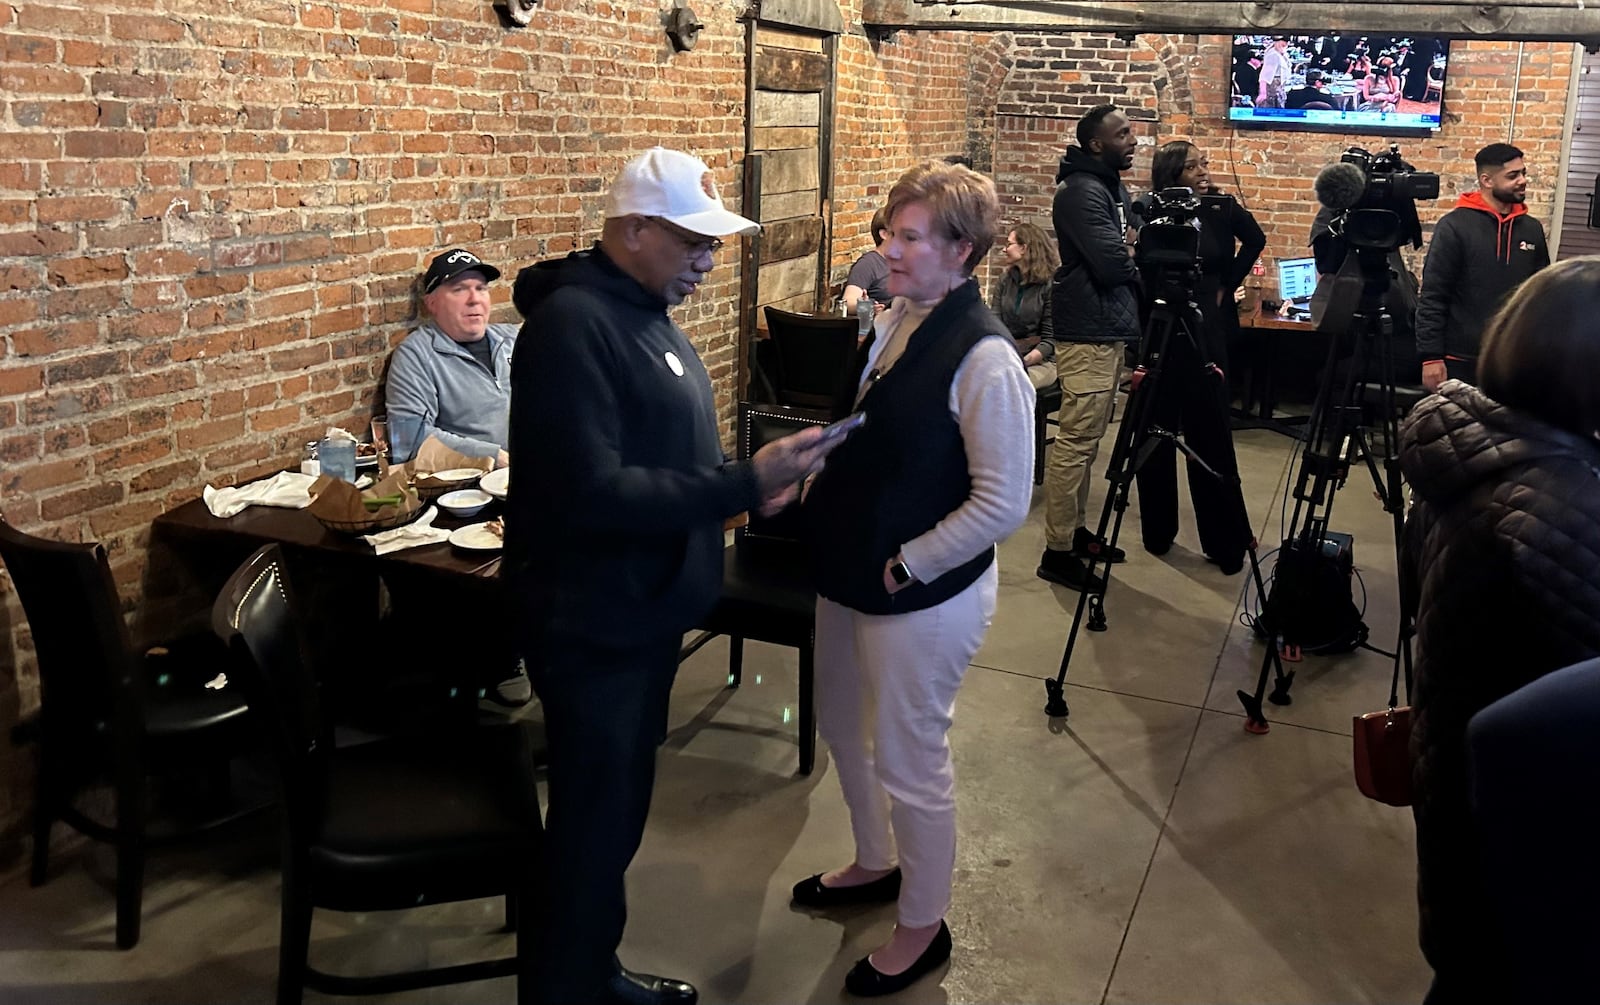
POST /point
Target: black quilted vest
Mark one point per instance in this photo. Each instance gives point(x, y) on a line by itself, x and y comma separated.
point(902, 472)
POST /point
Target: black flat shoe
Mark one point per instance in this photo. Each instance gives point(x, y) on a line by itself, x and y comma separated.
point(629, 988)
point(811, 892)
point(865, 981)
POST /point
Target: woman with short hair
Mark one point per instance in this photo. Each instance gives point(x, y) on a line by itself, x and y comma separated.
point(903, 524)
point(1499, 566)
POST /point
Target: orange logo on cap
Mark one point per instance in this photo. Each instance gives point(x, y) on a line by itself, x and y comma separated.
point(708, 185)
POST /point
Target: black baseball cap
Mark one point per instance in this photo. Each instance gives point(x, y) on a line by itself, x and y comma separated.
point(452, 263)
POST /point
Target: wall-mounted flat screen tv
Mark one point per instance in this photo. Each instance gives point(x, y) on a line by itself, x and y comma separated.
point(1350, 83)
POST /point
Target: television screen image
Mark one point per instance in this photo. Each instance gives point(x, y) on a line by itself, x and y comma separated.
point(1339, 83)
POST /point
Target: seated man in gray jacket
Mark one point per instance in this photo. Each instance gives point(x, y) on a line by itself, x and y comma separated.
point(451, 377)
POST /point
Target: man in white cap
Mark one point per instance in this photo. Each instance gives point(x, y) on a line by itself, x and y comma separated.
point(614, 538)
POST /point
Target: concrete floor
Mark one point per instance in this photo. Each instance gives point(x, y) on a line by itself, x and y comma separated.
point(1146, 849)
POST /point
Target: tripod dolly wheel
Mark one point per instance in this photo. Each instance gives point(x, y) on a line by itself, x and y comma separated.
point(1055, 705)
point(1097, 612)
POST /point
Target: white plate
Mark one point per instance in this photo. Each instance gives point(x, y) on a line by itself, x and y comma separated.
point(475, 537)
point(456, 475)
point(496, 482)
point(369, 461)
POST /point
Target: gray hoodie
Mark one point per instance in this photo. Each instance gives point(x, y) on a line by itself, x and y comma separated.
point(437, 388)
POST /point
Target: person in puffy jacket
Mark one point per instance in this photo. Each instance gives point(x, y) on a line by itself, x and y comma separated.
point(1499, 564)
point(1095, 312)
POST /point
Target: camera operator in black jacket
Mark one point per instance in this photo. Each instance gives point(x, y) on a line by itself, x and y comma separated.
point(1095, 308)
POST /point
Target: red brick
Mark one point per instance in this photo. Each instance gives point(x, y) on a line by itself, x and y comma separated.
point(17, 449)
point(59, 507)
point(207, 433)
point(76, 209)
point(136, 454)
point(264, 420)
point(103, 143)
point(42, 475)
point(108, 430)
point(299, 358)
point(150, 385)
point(33, 243)
point(65, 20)
point(20, 380)
point(186, 471)
point(88, 269)
point(55, 338)
point(26, 79)
point(81, 368)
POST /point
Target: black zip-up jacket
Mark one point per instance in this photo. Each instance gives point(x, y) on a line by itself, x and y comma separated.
point(1476, 259)
point(619, 487)
point(1095, 297)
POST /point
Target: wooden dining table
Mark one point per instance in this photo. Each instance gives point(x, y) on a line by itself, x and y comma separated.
point(434, 612)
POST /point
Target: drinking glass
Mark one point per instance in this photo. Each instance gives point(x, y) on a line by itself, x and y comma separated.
point(338, 457)
point(380, 433)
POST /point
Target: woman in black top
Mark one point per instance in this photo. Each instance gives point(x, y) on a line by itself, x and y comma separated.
point(1194, 399)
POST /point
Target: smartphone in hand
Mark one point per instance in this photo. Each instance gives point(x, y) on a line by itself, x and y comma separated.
point(837, 431)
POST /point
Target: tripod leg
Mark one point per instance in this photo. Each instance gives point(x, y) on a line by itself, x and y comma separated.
point(1255, 721)
point(1131, 435)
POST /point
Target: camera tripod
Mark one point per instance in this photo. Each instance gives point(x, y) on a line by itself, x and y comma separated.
point(1335, 435)
point(1173, 315)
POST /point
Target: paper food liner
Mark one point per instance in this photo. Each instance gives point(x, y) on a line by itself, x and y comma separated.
point(337, 501)
point(435, 456)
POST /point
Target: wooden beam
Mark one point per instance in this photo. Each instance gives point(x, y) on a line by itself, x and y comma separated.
point(1529, 20)
point(794, 238)
point(788, 70)
point(821, 16)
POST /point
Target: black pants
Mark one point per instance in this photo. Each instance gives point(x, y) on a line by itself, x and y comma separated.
point(1194, 401)
point(605, 715)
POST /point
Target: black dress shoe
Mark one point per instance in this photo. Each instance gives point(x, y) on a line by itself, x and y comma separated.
point(629, 988)
point(865, 981)
point(811, 892)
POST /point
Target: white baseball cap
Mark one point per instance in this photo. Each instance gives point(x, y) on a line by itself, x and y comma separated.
point(678, 188)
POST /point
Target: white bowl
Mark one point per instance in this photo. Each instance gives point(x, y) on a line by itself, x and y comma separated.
point(464, 502)
point(457, 475)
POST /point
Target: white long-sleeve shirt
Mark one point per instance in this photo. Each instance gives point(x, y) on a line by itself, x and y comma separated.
point(992, 401)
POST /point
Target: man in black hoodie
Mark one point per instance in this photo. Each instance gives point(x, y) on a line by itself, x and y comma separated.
point(619, 490)
point(1480, 253)
point(1095, 306)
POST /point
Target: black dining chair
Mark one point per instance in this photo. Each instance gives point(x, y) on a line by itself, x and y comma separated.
point(767, 595)
point(815, 358)
point(391, 824)
point(1046, 412)
point(109, 714)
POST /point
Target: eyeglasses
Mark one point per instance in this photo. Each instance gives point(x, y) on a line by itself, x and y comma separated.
point(696, 245)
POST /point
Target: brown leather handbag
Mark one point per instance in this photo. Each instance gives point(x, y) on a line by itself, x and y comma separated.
point(1383, 744)
point(1383, 754)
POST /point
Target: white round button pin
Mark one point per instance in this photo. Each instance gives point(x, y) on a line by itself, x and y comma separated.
point(674, 364)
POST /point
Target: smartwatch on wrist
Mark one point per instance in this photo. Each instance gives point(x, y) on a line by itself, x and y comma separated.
point(900, 574)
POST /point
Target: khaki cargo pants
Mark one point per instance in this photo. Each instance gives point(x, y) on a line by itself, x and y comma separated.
point(1089, 375)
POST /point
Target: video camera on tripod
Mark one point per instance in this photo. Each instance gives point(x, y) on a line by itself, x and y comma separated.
point(1170, 237)
point(1374, 198)
point(1369, 209)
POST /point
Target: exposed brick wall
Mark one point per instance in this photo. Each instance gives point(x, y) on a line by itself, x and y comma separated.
point(899, 102)
point(210, 217)
point(1175, 87)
